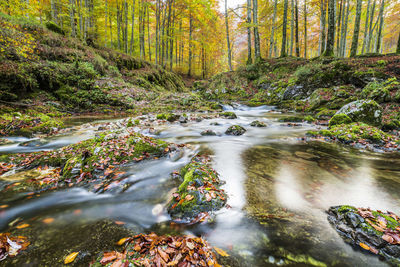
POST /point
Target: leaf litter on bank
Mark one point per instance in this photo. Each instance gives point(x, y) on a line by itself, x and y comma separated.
point(154, 250)
point(12, 245)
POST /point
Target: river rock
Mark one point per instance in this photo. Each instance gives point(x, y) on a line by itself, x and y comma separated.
point(34, 143)
point(368, 230)
point(183, 119)
point(228, 115)
point(367, 111)
point(208, 133)
point(235, 130)
point(258, 124)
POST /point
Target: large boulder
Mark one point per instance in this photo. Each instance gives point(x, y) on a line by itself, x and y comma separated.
point(367, 111)
point(368, 230)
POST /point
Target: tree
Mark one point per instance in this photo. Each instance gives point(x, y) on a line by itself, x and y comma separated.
point(366, 27)
point(305, 28)
point(398, 46)
point(248, 20)
point(271, 43)
point(227, 36)
point(257, 53)
point(354, 43)
point(284, 25)
point(370, 29)
point(297, 29)
point(322, 35)
point(331, 29)
point(379, 37)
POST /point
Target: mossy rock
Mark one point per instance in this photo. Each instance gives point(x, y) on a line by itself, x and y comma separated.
point(376, 91)
point(235, 130)
point(368, 230)
point(292, 119)
point(199, 191)
point(367, 111)
point(228, 115)
point(258, 124)
point(339, 119)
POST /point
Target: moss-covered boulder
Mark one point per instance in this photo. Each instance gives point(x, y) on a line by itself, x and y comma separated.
point(368, 230)
point(376, 91)
point(367, 111)
point(228, 115)
point(356, 132)
point(198, 193)
point(235, 130)
point(258, 124)
point(208, 133)
point(339, 119)
point(94, 162)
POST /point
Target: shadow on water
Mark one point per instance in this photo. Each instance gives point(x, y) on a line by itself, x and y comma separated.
point(278, 185)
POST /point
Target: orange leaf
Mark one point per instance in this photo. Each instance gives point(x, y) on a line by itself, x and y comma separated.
point(119, 222)
point(21, 226)
point(189, 197)
point(364, 246)
point(71, 257)
point(122, 241)
point(223, 252)
point(48, 220)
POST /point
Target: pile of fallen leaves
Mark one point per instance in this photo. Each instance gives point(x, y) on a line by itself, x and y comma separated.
point(386, 223)
point(154, 250)
point(5, 167)
point(11, 246)
point(199, 192)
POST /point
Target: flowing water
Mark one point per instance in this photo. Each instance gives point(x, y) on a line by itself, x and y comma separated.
point(279, 187)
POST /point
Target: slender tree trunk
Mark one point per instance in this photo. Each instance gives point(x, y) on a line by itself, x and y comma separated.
point(132, 43)
point(190, 43)
point(297, 28)
point(171, 41)
point(227, 36)
point(366, 28)
point(248, 20)
point(354, 43)
point(345, 26)
point(148, 32)
point(331, 29)
point(126, 26)
point(370, 30)
point(272, 41)
point(157, 28)
point(305, 28)
point(72, 17)
point(338, 29)
point(398, 45)
point(257, 52)
point(380, 29)
point(291, 27)
point(118, 26)
point(110, 25)
point(322, 44)
point(284, 26)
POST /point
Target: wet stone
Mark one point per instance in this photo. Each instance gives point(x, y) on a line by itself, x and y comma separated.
point(258, 124)
point(235, 130)
point(208, 133)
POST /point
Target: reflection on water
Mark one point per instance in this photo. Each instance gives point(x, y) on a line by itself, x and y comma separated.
point(279, 188)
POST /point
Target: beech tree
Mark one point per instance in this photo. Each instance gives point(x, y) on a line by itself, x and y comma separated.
point(354, 43)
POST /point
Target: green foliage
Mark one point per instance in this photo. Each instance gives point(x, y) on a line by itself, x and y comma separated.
point(50, 25)
point(339, 119)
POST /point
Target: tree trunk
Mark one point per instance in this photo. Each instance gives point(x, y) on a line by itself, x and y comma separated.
point(257, 53)
point(370, 30)
point(398, 46)
point(379, 37)
point(190, 42)
point(345, 26)
point(248, 20)
point(132, 43)
point(118, 26)
point(338, 29)
point(305, 28)
point(227, 36)
point(366, 28)
point(322, 41)
point(354, 43)
point(272, 41)
point(148, 32)
point(297, 28)
point(284, 26)
point(331, 29)
point(126, 27)
point(72, 17)
point(291, 27)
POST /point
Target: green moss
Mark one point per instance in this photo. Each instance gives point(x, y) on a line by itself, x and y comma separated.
point(346, 208)
point(339, 119)
point(228, 115)
point(292, 119)
point(324, 113)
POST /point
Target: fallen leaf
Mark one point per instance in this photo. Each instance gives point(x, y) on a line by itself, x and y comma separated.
point(21, 226)
point(122, 241)
point(48, 220)
point(364, 246)
point(189, 197)
point(119, 222)
point(71, 257)
point(221, 252)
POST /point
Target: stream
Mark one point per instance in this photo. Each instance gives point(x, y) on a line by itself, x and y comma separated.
point(279, 187)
